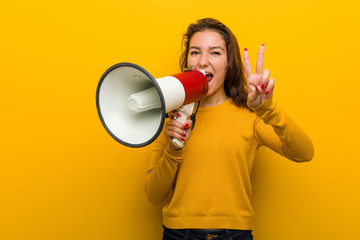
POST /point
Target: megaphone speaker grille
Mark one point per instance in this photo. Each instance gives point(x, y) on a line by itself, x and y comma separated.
point(128, 128)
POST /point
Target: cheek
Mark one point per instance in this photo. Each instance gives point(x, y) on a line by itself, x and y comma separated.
point(222, 69)
point(190, 61)
point(225, 68)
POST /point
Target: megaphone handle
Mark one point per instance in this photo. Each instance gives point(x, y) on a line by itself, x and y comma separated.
point(185, 111)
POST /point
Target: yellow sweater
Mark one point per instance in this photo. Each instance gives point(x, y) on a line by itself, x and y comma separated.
point(208, 182)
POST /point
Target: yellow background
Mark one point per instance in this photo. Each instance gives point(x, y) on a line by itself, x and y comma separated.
point(63, 177)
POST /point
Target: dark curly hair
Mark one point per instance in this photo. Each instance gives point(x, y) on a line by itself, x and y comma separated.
point(235, 80)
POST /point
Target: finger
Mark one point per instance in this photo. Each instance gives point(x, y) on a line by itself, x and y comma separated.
point(260, 59)
point(265, 79)
point(253, 99)
point(258, 90)
point(172, 114)
point(175, 123)
point(247, 65)
point(188, 125)
point(270, 87)
point(172, 131)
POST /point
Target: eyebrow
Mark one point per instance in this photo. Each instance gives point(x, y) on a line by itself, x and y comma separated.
point(211, 48)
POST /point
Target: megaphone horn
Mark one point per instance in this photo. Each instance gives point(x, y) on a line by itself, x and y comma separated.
point(132, 104)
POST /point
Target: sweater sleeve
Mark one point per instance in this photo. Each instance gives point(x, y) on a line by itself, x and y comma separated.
point(280, 133)
point(162, 170)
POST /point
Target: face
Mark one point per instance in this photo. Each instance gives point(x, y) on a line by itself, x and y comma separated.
point(207, 51)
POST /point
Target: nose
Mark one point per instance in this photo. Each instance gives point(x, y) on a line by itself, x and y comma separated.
point(203, 61)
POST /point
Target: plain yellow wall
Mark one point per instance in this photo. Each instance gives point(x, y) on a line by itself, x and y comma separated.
point(63, 177)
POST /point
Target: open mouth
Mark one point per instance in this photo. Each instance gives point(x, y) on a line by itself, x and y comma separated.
point(209, 76)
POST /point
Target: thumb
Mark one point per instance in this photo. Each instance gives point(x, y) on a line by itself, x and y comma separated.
point(254, 98)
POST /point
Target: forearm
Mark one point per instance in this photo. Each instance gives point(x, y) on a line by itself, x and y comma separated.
point(161, 173)
point(294, 142)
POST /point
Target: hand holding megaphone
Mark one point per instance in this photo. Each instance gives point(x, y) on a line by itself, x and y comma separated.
point(132, 104)
point(180, 115)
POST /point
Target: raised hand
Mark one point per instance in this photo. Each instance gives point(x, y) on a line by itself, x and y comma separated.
point(260, 87)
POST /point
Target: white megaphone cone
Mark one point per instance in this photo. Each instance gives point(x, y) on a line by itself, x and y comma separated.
point(132, 104)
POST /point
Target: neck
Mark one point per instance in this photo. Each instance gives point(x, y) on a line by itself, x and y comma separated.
point(210, 102)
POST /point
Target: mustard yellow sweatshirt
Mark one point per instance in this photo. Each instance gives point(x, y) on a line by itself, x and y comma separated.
point(207, 183)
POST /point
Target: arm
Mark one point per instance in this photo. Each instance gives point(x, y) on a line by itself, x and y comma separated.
point(273, 128)
point(165, 160)
point(161, 173)
point(276, 130)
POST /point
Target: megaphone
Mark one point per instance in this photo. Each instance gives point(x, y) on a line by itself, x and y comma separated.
point(132, 104)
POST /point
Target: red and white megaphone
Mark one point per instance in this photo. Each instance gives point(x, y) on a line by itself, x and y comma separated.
point(132, 104)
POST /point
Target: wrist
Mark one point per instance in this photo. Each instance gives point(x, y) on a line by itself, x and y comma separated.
point(262, 106)
point(174, 147)
point(173, 150)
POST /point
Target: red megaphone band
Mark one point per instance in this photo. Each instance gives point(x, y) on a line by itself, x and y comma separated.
point(195, 85)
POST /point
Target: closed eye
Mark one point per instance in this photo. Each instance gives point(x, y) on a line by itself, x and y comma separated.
point(216, 53)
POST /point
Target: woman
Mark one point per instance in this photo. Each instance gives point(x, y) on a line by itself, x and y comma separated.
point(207, 183)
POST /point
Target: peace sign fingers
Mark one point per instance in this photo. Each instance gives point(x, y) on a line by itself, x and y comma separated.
point(259, 84)
point(259, 61)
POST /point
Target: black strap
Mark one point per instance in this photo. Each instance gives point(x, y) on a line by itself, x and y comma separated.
point(193, 116)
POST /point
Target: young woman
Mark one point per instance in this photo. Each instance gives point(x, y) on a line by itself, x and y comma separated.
point(206, 184)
